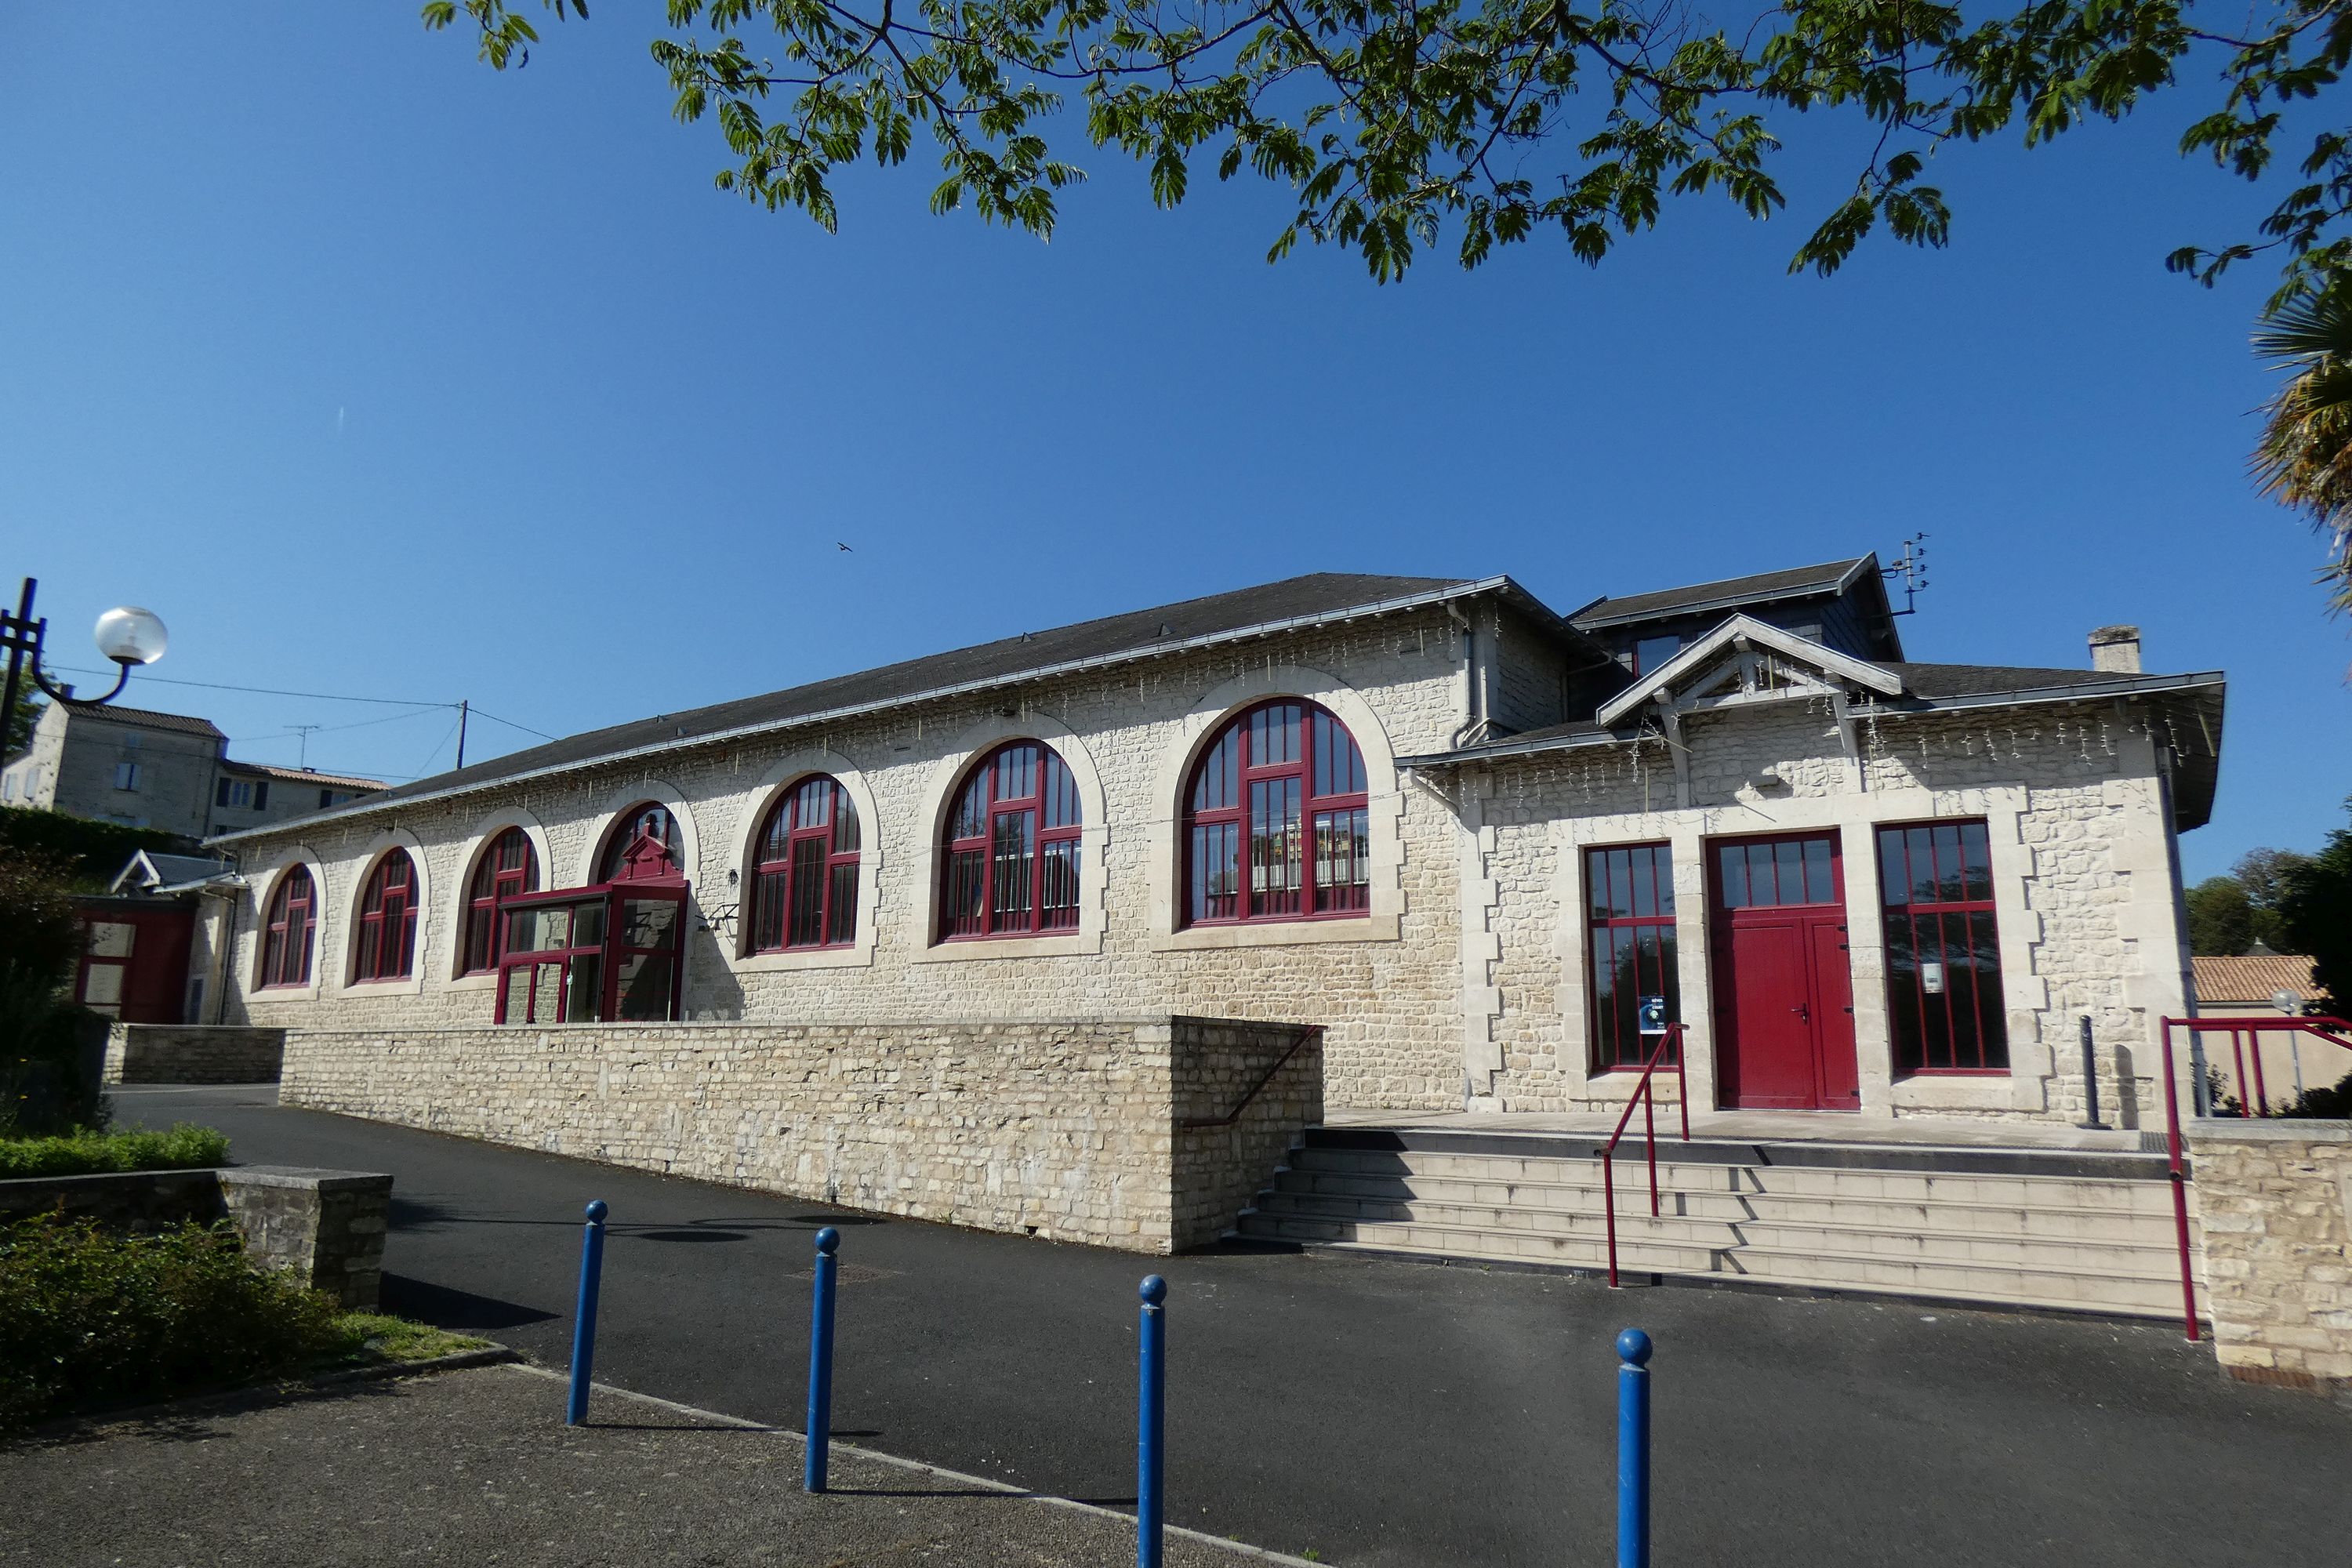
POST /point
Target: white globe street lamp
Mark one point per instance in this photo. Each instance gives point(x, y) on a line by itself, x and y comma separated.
point(128, 634)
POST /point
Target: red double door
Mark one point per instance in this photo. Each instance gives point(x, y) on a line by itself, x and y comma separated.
point(1783, 989)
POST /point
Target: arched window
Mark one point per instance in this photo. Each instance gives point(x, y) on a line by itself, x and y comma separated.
point(1011, 862)
point(805, 871)
point(1276, 822)
point(286, 934)
point(387, 949)
point(644, 847)
point(508, 866)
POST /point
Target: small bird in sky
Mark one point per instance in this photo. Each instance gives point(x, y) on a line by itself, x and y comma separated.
point(839, 545)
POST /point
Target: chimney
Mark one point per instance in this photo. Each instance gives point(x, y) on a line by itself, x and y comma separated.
point(2116, 648)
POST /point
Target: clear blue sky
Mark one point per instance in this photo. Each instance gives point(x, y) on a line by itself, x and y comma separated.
point(374, 371)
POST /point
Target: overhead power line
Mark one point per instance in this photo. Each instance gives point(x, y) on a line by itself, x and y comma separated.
point(417, 703)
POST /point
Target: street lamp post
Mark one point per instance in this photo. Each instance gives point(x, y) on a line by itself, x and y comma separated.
point(126, 634)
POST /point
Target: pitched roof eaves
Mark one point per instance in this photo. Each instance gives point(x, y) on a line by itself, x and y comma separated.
point(1465, 589)
point(2089, 691)
point(1849, 572)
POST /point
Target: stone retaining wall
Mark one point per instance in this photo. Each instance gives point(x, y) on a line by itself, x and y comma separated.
point(327, 1227)
point(1071, 1131)
point(191, 1053)
point(2276, 1202)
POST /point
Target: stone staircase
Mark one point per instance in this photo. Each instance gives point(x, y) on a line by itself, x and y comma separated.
point(2087, 1231)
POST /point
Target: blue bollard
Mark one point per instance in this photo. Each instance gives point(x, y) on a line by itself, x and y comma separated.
point(583, 1320)
point(1151, 1419)
point(1632, 1449)
point(820, 1378)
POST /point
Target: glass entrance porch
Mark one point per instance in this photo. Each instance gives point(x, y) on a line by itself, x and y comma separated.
point(591, 955)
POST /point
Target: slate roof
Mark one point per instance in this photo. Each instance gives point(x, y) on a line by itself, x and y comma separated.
point(169, 871)
point(1947, 680)
point(2194, 700)
point(147, 718)
point(1795, 583)
point(2253, 978)
point(1322, 595)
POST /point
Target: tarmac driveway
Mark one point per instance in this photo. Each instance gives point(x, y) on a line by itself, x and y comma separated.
point(1372, 1412)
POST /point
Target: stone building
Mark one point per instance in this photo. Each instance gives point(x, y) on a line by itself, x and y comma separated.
point(168, 771)
point(1468, 836)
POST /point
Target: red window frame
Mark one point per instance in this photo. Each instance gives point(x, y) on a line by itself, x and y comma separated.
point(1962, 1029)
point(804, 870)
point(292, 921)
point(644, 847)
point(387, 934)
point(508, 866)
point(1013, 836)
point(1279, 776)
point(1629, 922)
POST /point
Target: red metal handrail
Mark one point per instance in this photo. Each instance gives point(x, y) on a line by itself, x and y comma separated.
point(1644, 1094)
point(2332, 1030)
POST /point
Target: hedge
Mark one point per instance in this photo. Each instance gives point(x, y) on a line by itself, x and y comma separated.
point(96, 850)
point(88, 1152)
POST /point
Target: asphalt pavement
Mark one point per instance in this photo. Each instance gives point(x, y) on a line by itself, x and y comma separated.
point(465, 1468)
point(1365, 1411)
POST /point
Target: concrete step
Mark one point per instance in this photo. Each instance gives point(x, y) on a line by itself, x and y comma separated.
point(2074, 1289)
point(2089, 1193)
point(1643, 1256)
point(2155, 1258)
point(1977, 1284)
point(2152, 1256)
point(2042, 1219)
point(1634, 1220)
point(2086, 1231)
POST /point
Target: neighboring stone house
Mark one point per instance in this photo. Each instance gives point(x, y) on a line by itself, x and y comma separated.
point(1465, 835)
point(2254, 985)
point(169, 771)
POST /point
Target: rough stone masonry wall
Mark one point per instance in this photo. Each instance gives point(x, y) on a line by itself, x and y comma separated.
point(176, 1053)
point(1242, 1093)
point(1387, 988)
point(1064, 1130)
point(2276, 1202)
point(2083, 882)
point(327, 1227)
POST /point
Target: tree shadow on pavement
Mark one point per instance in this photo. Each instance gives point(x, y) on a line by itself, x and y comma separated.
point(460, 1311)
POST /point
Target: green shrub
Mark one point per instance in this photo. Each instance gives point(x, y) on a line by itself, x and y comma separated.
point(87, 1152)
point(50, 1051)
point(95, 1317)
point(90, 851)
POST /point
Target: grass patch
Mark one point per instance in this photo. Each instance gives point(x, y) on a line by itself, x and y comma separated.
point(370, 1339)
point(94, 1318)
point(87, 1151)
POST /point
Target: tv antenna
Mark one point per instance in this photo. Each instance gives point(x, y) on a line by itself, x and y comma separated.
point(304, 756)
point(1911, 566)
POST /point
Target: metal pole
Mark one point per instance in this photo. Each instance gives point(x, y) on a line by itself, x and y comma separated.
point(1151, 1419)
point(1682, 1080)
point(1649, 1129)
point(2090, 1081)
point(820, 1377)
point(18, 631)
point(1609, 1207)
point(584, 1318)
point(462, 709)
point(1632, 1449)
point(2179, 1180)
point(2200, 1092)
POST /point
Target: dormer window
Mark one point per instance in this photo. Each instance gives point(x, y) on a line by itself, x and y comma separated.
point(1652, 652)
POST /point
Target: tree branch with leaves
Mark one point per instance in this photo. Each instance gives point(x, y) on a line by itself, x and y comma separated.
point(1398, 123)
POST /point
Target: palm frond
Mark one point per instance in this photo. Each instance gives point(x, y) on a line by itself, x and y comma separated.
point(2309, 327)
